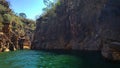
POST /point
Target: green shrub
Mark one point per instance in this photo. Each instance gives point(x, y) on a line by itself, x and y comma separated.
point(7, 18)
point(2, 8)
point(1, 19)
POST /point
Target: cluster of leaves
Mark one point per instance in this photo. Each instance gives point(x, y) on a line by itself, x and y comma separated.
point(18, 22)
point(2, 8)
point(5, 3)
point(50, 9)
point(50, 5)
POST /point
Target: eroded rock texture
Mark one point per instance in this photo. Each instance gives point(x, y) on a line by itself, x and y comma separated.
point(110, 29)
point(81, 25)
point(13, 28)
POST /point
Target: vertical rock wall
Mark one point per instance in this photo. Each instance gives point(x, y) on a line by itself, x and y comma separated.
point(81, 25)
point(74, 27)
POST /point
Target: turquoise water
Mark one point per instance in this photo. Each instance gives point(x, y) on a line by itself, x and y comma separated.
point(44, 59)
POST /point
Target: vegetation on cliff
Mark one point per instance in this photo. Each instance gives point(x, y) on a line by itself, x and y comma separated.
point(12, 25)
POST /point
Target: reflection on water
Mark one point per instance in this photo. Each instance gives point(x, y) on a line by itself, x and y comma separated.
point(42, 59)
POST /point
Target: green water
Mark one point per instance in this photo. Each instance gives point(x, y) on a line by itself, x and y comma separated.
point(43, 59)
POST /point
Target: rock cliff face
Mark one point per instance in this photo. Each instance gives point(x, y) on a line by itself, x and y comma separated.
point(110, 31)
point(81, 25)
point(12, 27)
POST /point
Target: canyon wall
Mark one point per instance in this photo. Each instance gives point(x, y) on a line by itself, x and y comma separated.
point(81, 25)
point(13, 28)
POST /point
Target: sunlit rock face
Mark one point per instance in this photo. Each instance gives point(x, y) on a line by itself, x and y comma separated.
point(79, 25)
point(11, 28)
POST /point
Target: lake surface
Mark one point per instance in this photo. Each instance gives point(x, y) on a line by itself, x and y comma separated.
point(60, 59)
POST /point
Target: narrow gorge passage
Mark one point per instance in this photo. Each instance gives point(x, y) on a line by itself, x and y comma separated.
point(60, 34)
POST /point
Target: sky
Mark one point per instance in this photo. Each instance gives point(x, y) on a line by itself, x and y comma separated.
point(32, 8)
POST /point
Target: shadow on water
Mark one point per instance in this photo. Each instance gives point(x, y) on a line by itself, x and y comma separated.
point(89, 59)
point(54, 59)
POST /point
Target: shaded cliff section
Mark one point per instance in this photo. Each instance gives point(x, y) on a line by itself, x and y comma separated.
point(73, 27)
point(80, 25)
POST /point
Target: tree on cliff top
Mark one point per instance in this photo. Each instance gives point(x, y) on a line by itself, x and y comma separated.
point(23, 15)
point(48, 3)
